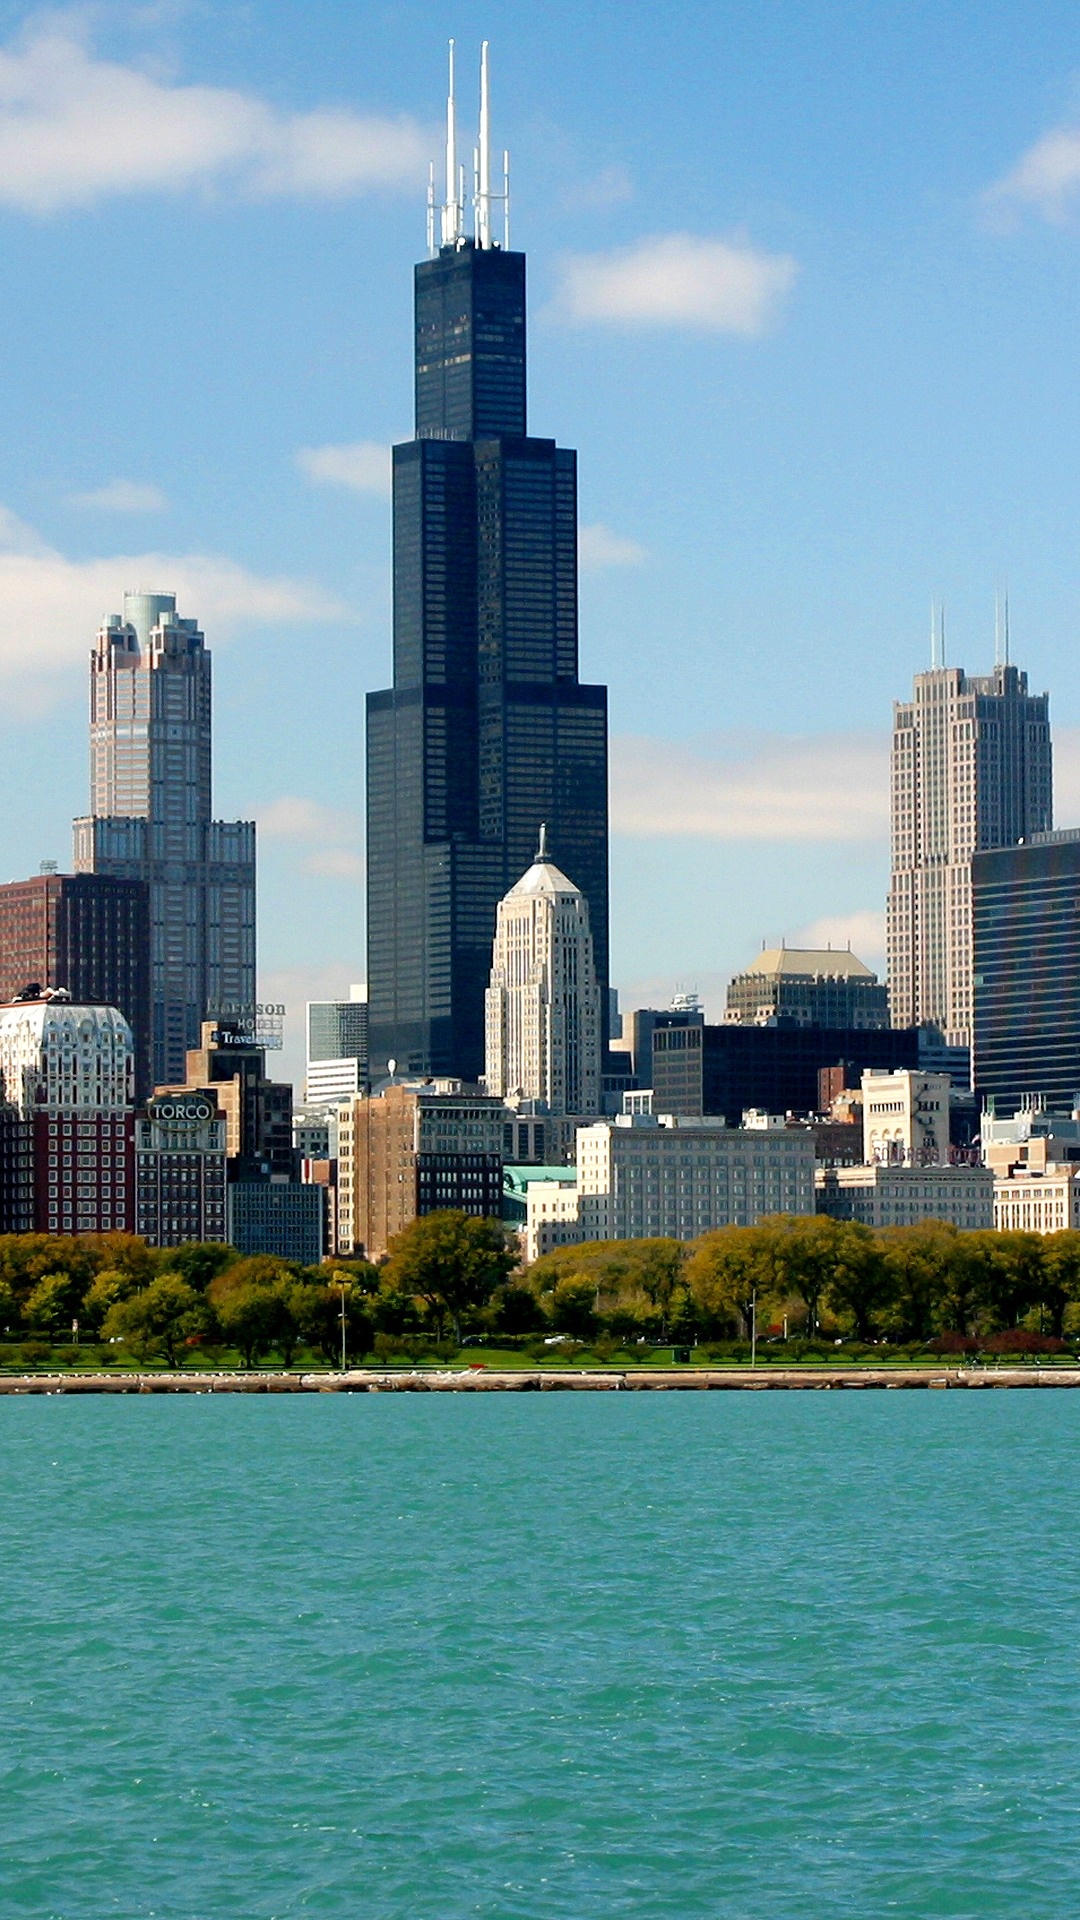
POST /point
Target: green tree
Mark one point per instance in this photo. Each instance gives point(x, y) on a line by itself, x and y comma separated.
point(111, 1286)
point(1061, 1277)
point(54, 1302)
point(573, 1306)
point(451, 1261)
point(249, 1301)
point(723, 1273)
point(915, 1261)
point(156, 1322)
point(199, 1262)
point(859, 1285)
point(660, 1266)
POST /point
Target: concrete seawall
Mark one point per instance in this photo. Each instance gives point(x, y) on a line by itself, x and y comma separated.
point(482, 1380)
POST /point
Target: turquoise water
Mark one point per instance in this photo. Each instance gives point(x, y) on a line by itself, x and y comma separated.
point(574, 1655)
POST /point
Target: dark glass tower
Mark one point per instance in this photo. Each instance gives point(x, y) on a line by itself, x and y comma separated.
point(487, 730)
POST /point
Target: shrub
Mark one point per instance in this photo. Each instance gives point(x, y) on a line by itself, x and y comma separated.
point(1023, 1340)
point(34, 1353)
point(957, 1343)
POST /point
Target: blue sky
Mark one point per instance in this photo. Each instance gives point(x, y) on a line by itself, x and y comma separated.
point(803, 285)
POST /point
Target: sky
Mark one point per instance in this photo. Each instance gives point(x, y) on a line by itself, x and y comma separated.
point(803, 284)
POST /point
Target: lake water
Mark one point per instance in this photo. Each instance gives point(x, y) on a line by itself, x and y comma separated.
point(410, 1658)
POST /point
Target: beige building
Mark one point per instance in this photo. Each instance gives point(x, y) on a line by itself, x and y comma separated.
point(1046, 1202)
point(905, 1118)
point(971, 768)
point(1035, 1160)
point(900, 1196)
point(551, 1216)
point(811, 988)
point(542, 1012)
point(414, 1150)
point(643, 1178)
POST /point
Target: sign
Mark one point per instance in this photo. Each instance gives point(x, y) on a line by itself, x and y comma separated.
point(258, 1025)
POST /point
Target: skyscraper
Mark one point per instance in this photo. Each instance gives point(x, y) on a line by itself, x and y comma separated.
point(543, 1003)
point(971, 768)
point(150, 819)
point(487, 729)
point(1026, 1050)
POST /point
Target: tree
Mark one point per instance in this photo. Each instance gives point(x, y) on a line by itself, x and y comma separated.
point(111, 1286)
point(860, 1281)
point(157, 1321)
point(249, 1300)
point(315, 1309)
point(199, 1262)
point(723, 1273)
point(54, 1302)
point(915, 1259)
point(452, 1261)
point(660, 1275)
point(1061, 1276)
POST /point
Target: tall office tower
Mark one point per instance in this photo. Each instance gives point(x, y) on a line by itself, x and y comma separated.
point(89, 933)
point(487, 729)
point(1026, 1050)
point(543, 1003)
point(971, 768)
point(150, 819)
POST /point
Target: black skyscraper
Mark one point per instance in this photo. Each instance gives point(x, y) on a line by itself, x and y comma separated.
point(487, 730)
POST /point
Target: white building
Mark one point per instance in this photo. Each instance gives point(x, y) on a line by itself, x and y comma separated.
point(1046, 1202)
point(551, 1216)
point(640, 1178)
point(67, 1120)
point(905, 1118)
point(899, 1196)
point(328, 1082)
point(971, 768)
point(543, 1014)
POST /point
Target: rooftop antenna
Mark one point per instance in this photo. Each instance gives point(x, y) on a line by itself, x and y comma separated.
point(941, 612)
point(451, 212)
point(431, 211)
point(1005, 620)
point(933, 635)
point(506, 200)
point(542, 849)
point(483, 174)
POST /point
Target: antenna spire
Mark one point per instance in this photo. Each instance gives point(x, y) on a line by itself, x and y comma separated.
point(483, 181)
point(542, 849)
point(452, 208)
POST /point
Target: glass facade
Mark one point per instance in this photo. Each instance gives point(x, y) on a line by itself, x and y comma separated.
point(487, 730)
point(725, 1070)
point(1026, 912)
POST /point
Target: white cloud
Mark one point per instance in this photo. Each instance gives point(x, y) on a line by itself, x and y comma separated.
point(123, 496)
point(50, 606)
point(1045, 179)
point(329, 839)
point(75, 129)
point(679, 280)
point(599, 547)
point(863, 930)
point(361, 465)
point(611, 187)
point(830, 787)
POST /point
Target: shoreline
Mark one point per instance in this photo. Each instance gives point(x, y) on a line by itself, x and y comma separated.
point(475, 1380)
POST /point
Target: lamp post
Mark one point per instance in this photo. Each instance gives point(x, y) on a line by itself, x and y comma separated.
point(341, 1283)
point(753, 1328)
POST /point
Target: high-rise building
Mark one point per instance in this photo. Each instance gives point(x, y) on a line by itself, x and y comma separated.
point(728, 1069)
point(88, 933)
point(794, 986)
point(338, 1029)
point(1026, 1050)
point(415, 1150)
point(543, 1002)
point(905, 1118)
point(66, 1119)
point(257, 1111)
point(180, 1170)
point(971, 768)
point(487, 729)
point(150, 820)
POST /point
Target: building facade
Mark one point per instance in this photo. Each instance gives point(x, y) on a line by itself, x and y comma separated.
point(337, 1031)
point(1027, 973)
point(905, 1118)
point(67, 1079)
point(257, 1111)
point(88, 933)
point(895, 1196)
point(643, 1178)
point(798, 987)
point(286, 1218)
point(971, 768)
point(544, 1027)
point(150, 820)
point(415, 1150)
point(487, 729)
point(329, 1082)
point(723, 1070)
point(180, 1170)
